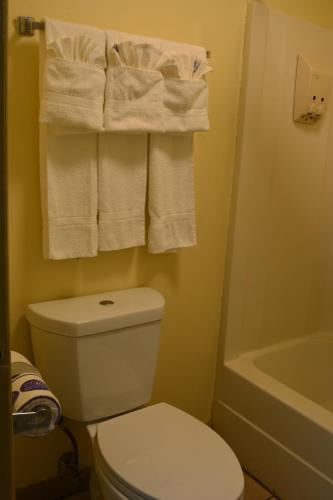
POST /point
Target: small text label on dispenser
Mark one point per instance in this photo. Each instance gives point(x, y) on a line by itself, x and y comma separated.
point(312, 91)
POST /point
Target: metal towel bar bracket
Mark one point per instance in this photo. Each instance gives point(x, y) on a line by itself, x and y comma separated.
point(27, 25)
point(32, 420)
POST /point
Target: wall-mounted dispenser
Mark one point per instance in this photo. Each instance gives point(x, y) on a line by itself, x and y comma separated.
point(312, 91)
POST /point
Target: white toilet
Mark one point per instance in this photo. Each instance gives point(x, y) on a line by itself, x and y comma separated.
point(98, 355)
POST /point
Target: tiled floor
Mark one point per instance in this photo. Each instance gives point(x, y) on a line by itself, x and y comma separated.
point(79, 496)
point(253, 491)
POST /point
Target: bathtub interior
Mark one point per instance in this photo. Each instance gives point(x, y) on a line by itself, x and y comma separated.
point(304, 365)
point(277, 420)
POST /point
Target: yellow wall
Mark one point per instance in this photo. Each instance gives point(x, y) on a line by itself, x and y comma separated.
point(191, 280)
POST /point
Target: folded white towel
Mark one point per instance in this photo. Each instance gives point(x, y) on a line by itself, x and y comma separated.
point(122, 177)
point(171, 190)
point(171, 193)
point(185, 97)
point(154, 85)
point(73, 78)
point(134, 84)
point(68, 173)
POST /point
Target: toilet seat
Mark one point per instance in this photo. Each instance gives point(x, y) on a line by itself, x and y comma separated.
point(160, 452)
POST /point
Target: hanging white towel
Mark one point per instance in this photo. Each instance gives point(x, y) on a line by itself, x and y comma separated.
point(171, 193)
point(122, 177)
point(133, 106)
point(69, 196)
point(152, 85)
point(73, 82)
point(68, 173)
point(171, 188)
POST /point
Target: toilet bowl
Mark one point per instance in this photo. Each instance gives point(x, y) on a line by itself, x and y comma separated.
point(161, 452)
point(98, 354)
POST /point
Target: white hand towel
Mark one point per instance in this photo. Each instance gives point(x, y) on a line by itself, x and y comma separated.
point(171, 187)
point(122, 177)
point(68, 173)
point(73, 78)
point(134, 84)
point(133, 103)
point(171, 193)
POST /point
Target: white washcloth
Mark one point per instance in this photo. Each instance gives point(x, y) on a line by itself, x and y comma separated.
point(68, 173)
point(171, 193)
point(73, 80)
point(122, 177)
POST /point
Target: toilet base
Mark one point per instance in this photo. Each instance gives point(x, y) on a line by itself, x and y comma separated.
point(101, 489)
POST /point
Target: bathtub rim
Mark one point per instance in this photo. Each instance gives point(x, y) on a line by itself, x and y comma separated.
point(244, 365)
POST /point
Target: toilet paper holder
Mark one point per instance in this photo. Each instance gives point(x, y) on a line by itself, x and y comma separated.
point(31, 420)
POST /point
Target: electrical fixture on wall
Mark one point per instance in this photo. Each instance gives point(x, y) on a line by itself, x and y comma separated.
point(312, 91)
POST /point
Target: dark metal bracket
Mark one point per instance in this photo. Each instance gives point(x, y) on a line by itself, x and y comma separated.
point(32, 420)
point(26, 25)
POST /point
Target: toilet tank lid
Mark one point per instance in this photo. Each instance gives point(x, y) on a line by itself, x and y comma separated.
point(90, 314)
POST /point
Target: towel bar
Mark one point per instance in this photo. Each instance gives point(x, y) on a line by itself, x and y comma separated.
point(27, 25)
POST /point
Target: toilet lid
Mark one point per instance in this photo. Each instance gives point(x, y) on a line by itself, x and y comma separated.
point(161, 452)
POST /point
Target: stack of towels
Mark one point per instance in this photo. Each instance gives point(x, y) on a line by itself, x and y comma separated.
point(117, 112)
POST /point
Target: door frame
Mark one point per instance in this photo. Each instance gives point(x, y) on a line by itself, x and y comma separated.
point(6, 432)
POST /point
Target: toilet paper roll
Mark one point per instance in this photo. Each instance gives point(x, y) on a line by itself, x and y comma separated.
point(30, 393)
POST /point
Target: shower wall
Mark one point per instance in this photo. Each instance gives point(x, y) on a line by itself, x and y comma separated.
point(280, 264)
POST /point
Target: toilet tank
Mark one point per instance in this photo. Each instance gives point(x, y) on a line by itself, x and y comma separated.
point(98, 352)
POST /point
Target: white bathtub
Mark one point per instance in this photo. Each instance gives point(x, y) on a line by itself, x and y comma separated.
point(274, 407)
